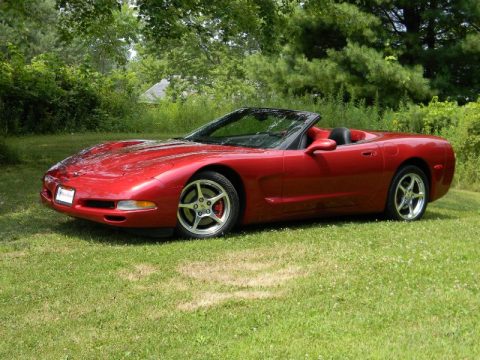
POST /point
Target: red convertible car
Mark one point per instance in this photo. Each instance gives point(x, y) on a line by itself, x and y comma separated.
point(253, 165)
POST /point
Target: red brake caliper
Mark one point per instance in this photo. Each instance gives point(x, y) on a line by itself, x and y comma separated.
point(218, 208)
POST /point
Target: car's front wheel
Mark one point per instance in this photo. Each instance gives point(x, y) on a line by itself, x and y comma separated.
point(209, 206)
point(408, 194)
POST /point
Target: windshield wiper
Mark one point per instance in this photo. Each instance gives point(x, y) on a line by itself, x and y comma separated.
point(202, 140)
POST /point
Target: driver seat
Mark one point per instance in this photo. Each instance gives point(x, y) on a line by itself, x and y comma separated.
point(340, 135)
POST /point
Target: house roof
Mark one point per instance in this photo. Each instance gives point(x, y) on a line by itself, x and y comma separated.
point(156, 92)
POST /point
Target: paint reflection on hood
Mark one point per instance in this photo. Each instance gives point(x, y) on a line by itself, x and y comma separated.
point(150, 157)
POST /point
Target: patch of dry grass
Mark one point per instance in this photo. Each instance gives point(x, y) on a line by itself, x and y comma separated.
point(13, 254)
point(139, 272)
point(250, 275)
point(208, 299)
point(241, 275)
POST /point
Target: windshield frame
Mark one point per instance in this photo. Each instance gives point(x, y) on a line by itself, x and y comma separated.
point(289, 142)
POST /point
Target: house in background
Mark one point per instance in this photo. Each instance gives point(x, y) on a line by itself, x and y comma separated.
point(156, 92)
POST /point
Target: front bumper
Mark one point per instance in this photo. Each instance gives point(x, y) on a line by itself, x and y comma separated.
point(163, 216)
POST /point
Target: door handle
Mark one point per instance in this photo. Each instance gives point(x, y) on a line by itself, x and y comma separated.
point(369, 153)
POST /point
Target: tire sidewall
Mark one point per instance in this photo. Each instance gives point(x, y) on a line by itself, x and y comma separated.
point(234, 204)
point(391, 210)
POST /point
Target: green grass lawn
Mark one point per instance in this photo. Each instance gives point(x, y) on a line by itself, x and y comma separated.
point(337, 288)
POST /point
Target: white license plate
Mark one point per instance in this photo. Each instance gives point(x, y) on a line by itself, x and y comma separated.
point(65, 196)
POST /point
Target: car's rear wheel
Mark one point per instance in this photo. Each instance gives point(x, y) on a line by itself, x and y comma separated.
point(408, 194)
point(208, 207)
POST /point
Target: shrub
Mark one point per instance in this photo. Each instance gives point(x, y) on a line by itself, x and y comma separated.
point(179, 117)
point(459, 124)
point(465, 133)
point(47, 96)
point(430, 119)
point(7, 155)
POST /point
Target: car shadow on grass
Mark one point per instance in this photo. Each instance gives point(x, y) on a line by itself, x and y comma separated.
point(341, 220)
point(438, 215)
point(16, 228)
point(93, 232)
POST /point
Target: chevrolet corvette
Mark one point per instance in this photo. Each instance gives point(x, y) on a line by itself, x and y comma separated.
point(253, 165)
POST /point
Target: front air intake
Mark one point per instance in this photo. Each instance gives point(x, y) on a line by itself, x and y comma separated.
point(114, 218)
point(99, 204)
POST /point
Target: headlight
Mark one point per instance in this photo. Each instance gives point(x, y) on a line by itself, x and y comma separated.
point(135, 205)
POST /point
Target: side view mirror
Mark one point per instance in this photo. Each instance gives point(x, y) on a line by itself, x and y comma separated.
point(321, 144)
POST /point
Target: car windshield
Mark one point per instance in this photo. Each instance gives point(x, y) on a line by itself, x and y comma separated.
point(257, 128)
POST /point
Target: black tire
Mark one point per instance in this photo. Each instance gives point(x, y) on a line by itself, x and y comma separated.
point(200, 218)
point(408, 194)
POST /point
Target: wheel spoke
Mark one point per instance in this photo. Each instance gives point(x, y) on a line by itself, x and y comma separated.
point(199, 191)
point(410, 209)
point(196, 222)
point(402, 204)
point(419, 196)
point(187, 206)
point(412, 184)
point(217, 197)
point(401, 187)
point(216, 218)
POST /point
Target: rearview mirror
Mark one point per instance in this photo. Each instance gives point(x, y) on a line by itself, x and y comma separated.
point(321, 144)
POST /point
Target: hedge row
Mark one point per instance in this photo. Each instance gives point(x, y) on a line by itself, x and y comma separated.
point(47, 96)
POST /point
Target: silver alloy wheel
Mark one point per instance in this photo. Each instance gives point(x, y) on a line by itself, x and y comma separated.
point(410, 196)
point(204, 207)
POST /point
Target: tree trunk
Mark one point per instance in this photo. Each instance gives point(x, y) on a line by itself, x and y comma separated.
point(430, 42)
point(412, 21)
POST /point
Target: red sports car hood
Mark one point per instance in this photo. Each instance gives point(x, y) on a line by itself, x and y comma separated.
point(112, 160)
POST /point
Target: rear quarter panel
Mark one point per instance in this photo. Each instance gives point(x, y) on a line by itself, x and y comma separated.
point(436, 153)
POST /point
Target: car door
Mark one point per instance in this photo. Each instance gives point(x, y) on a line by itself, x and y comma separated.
point(328, 181)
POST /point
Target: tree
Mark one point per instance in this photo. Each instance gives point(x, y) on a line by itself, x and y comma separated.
point(442, 36)
point(101, 33)
point(331, 47)
point(343, 43)
point(205, 42)
point(29, 25)
point(249, 24)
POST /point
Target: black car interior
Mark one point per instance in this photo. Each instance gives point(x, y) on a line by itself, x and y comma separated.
point(341, 135)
